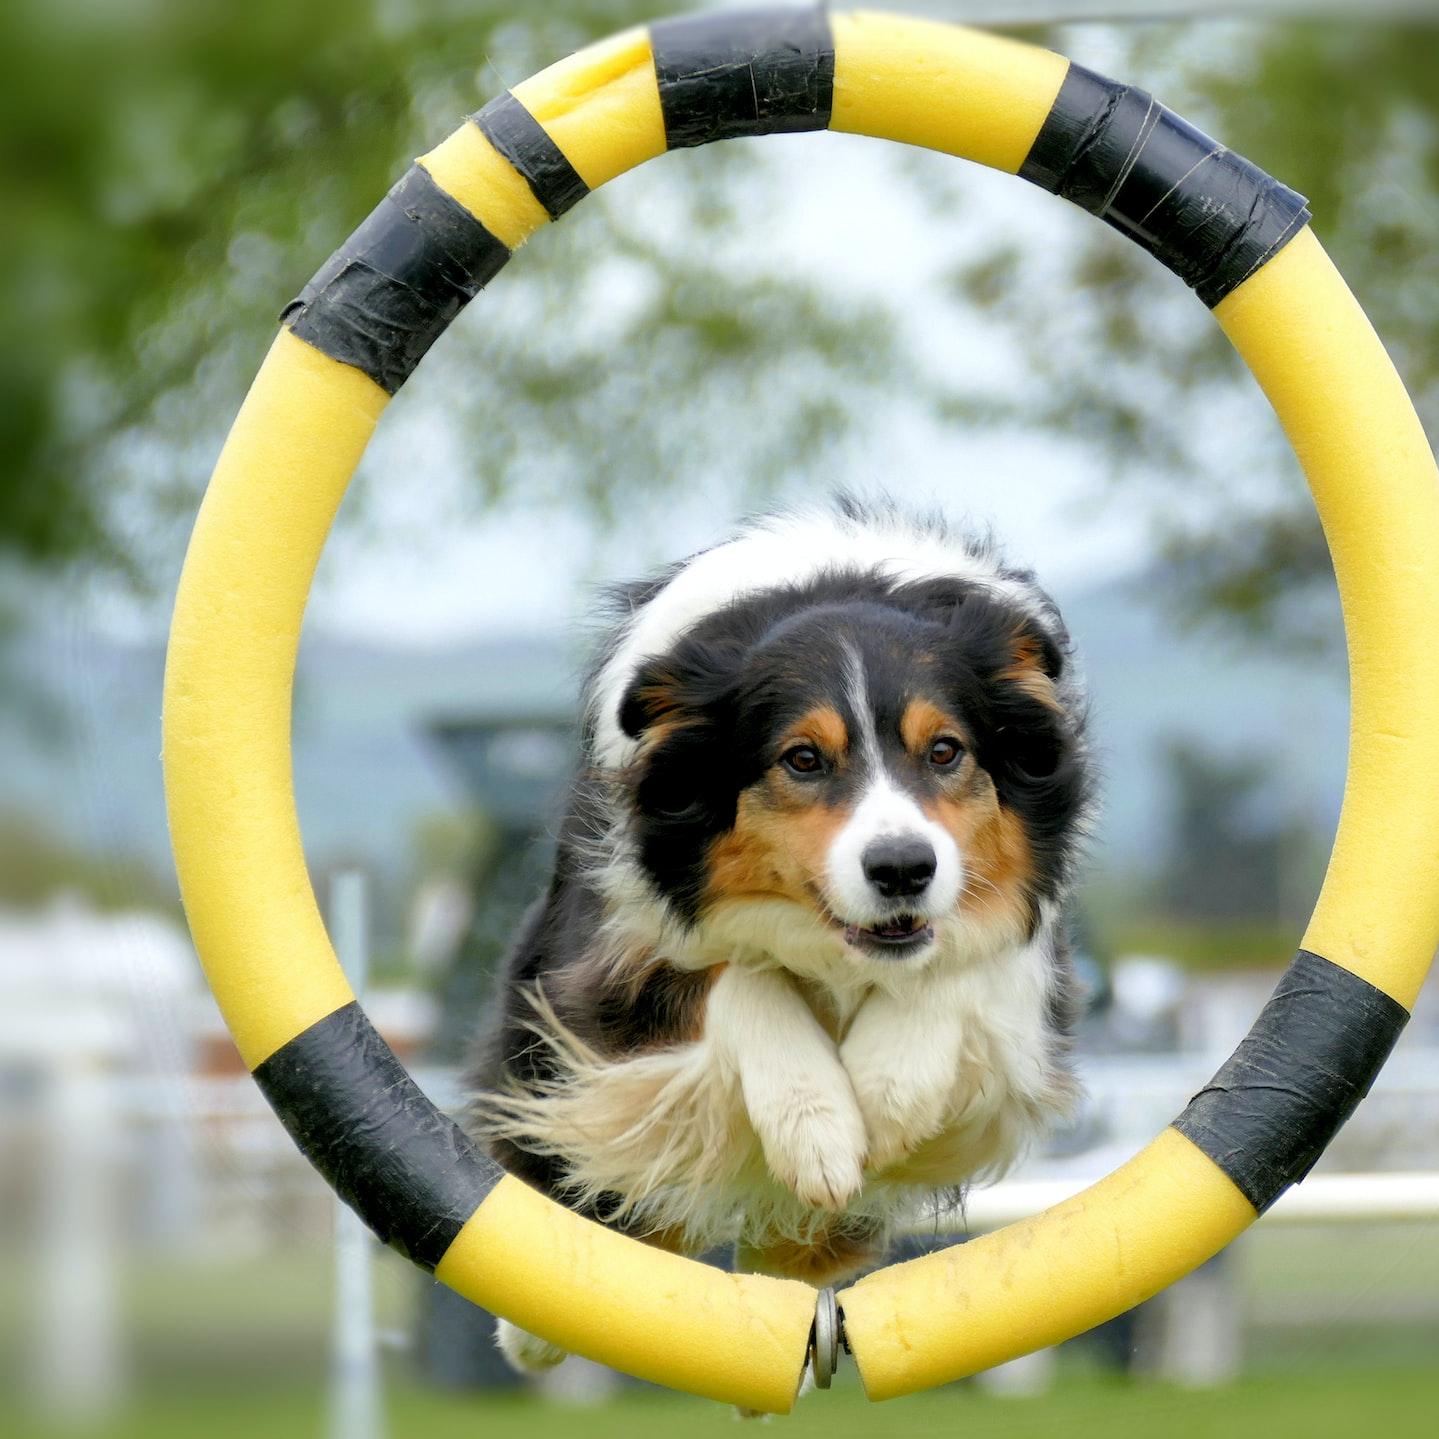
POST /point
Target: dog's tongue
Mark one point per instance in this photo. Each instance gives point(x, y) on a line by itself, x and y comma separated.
point(898, 928)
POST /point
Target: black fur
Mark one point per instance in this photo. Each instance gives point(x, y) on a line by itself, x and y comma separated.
point(713, 709)
point(733, 684)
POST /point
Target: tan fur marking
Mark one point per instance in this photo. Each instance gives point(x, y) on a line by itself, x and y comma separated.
point(995, 846)
point(777, 848)
point(683, 994)
point(923, 722)
point(672, 1239)
point(823, 727)
point(835, 1252)
point(658, 698)
point(664, 715)
point(824, 1006)
point(1027, 673)
point(656, 733)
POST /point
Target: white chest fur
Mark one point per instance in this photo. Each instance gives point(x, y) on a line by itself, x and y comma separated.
point(778, 1116)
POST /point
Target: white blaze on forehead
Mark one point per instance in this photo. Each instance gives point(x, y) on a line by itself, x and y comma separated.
point(864, 742)
point(786, 549)
point(887, 812)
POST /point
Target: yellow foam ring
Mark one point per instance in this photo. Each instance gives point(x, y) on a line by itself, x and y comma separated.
point(469, 169)
point(601, 106)
point(741, 1338)
point(1376, 487)
point(1040, 1281)
point(942, 86)
point(279, 479)
point(278, 483)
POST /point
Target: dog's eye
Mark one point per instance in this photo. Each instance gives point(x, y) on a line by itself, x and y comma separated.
point(945, 752)
point(802, 759)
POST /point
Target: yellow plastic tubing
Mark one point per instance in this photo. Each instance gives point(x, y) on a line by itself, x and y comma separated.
point(1170, 1208)
point(277, 485)
point(280, 478)
point(1376, 487)
point(1167, 1210)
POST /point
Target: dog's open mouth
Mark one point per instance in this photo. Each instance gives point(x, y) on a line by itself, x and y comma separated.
point(902, 934)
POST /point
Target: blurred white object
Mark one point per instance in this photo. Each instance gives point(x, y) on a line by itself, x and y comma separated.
point(87, 998)
point(440, 916)
point(579, 1384)
point(355, 1400)
point(73, 977)
point(1022, 1378)
point(1198, 1327)
point(1320, 1199)
point(77, 1367)
point(1147, 987)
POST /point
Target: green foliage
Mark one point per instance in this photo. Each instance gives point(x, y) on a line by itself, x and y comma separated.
point(637, 357)
point(176, 171)
point(1203, 946)
point(36, 866)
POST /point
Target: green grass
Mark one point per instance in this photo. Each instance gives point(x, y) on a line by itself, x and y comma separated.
point(1362, 1270)
point(1399, 1402)
point(1342, 1336)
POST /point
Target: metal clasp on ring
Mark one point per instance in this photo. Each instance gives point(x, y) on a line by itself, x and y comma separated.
point(824, 1339)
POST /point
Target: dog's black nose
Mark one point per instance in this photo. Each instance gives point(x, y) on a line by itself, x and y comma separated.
point(898, 867)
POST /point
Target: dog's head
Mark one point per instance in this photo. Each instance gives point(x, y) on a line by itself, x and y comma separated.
point(875, 763)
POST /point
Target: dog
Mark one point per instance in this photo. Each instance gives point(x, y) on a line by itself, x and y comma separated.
point(801, 965)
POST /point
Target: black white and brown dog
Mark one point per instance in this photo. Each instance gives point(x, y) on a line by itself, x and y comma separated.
point(802, 961)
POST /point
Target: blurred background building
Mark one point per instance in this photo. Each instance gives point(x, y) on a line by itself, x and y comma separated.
point(651, 370)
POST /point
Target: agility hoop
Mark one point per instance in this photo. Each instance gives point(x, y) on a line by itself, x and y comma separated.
point(1242, 242)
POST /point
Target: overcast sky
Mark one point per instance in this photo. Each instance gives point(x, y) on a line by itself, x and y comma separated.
point(411, 576)
point(426, 567)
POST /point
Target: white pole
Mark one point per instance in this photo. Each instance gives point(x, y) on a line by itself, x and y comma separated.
point(355, 1400)
point(77, 1364)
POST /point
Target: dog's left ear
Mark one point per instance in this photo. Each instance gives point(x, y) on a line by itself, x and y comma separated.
point(1025, 701)
point(978, 619)
point(1036, 661)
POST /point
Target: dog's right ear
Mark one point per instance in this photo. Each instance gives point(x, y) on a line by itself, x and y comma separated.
point(656, 693)
point(678, 707)
point(690, 686)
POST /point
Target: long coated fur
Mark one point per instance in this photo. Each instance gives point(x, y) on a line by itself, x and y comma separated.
point(801, 963)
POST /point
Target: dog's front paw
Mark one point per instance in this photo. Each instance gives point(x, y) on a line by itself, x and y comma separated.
point(815, 1146)
point(904, 1099)
point(898, 1123)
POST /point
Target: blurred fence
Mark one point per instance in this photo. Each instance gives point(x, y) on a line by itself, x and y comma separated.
point(114, 1170)
point(243, 1181)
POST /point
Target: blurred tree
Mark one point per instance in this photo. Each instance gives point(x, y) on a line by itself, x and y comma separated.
point(37, 864)
point(1348, 114)
point(175, 172)
point(1228, 840)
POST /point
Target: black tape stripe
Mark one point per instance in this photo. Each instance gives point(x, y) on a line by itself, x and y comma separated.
point(1205, 212)
point(525, 143)
point(751, 72)
point(1269, 1113)
point(385, 296)
point(406, 1169)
